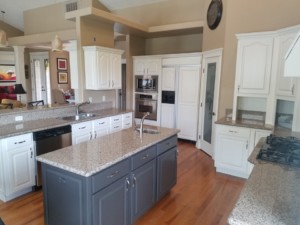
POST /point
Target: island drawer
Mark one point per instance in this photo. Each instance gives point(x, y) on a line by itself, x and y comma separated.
point(166, 144)
point(143, 157)
point(110, 175)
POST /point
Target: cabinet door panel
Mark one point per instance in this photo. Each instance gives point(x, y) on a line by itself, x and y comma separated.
point(103, 64)
point(168, 79)
point(64, 195)
point(143, 189)
point(110, 206)
point(232, 153)
point(188, 98)
point(254, 63)
point(79, 138)
point(116, 73)
point(20, 164)
point(166, 172)
point(168, 115)
point(284, 85)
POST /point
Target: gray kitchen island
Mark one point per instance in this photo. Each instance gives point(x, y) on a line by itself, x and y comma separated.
point(110, 180)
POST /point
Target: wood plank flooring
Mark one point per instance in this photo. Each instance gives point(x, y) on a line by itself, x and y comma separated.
point(201, 196)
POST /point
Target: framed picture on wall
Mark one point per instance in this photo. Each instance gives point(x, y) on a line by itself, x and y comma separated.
point(62, 77)
point(62, 64)
point(7, 73)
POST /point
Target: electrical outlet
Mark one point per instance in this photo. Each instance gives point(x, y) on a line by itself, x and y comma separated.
point(90, 99)
point(103, 98)
point(19, 118)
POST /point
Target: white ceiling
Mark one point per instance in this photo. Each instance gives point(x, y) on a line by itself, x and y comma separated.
point(11, 11)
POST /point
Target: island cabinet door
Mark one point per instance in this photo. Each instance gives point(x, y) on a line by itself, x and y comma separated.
point(143, 187)
point(111, 204)
point(64, 200)
point(166, 172)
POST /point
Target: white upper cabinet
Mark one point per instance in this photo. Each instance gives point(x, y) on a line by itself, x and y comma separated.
point(102, 68)
point(147, 66)
point(285, 86)
point(168, 79)
point(254, 62)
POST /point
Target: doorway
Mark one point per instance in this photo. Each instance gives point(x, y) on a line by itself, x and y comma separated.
point(209, 100)
point(40, 73)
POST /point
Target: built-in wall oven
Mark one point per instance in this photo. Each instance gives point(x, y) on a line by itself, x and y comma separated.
point(146, 102)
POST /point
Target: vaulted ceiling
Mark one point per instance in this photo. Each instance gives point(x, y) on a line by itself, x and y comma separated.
point(11, 11)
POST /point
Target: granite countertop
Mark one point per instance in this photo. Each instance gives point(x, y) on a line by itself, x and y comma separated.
point(271, 194)
point(93, 156)
point(255, 124)
point(24, 127)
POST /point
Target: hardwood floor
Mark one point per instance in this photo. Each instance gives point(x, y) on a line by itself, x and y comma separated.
point(201, 196)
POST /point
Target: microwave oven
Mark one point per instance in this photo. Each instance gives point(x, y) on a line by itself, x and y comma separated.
point(146, 83)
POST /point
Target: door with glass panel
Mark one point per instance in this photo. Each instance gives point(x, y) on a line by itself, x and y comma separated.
point(41, 85)
point(211, 69)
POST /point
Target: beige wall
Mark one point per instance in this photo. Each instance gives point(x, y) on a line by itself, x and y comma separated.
point(10, 31)
point(165, 12)
point(243, 16)
point(174, 44)
point(46, 19)
point(54, 71)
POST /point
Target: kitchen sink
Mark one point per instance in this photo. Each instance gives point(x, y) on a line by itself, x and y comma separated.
point(80, 116)
point(148, 130)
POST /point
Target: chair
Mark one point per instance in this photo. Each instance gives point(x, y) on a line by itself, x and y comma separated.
point(35, 103)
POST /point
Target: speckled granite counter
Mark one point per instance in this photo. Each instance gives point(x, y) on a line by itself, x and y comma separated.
point(19, 128)
point(245, 123)
point(271, 194)
point(91, 157)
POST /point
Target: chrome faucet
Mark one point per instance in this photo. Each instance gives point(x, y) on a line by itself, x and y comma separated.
point(142, 122)
point(80, 104)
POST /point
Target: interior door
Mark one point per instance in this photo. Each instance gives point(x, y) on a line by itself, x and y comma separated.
point(209, 102)
point(41, 88)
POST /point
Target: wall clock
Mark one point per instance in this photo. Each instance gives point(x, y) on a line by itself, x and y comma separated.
point(214, 14)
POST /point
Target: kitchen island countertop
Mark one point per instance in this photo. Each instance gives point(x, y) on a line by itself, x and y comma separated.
point(270, 196)
point(93, 156)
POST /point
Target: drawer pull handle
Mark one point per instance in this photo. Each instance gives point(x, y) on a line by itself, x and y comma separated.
point(116, 126)
point(80, 128)
point(134, 181)
point(20, 142)
point(233, 131)
point(127, 184)
point(113, 174)
point(145, 157)
point(61, 180)
point(102, 123)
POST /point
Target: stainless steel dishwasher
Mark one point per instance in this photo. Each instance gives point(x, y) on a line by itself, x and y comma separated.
point(47, 141)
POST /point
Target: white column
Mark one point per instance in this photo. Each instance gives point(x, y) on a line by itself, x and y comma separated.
point(20, 69)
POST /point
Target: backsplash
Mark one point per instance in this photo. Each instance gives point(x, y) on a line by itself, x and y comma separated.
point(55, 112)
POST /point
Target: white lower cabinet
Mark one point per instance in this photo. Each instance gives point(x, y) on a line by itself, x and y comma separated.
point(17, 166)
point(101, 127)
point(82, 132)
point(89, 130)
point(233, 145)
point(126, 120)
point(115, 123)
